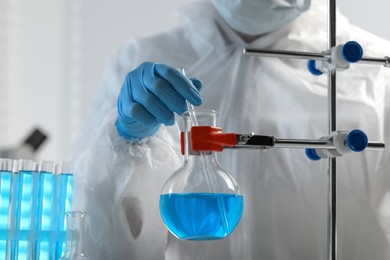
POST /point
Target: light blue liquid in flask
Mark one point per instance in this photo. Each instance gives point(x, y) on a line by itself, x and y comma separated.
point(201, 200)
point(197, 216)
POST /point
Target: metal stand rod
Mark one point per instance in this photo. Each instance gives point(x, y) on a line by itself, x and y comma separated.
point(302, 144)
point(309, 56)
point(376, 61)
point(332, 224)
point(332, 227)
point(319, 144)
point(286, 54)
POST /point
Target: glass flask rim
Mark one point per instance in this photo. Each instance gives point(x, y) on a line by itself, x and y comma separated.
point(201, 112)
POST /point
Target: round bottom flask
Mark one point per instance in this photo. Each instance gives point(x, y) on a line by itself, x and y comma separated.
point(201, 200)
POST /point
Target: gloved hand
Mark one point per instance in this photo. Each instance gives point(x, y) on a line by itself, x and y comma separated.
point(150, 95)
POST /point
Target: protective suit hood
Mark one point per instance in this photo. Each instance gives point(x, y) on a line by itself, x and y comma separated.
point(257, 17)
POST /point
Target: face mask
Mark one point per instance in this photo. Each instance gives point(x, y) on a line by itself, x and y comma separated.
point(256, 17)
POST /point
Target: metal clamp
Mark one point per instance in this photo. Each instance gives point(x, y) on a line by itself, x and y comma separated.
point(387, 62)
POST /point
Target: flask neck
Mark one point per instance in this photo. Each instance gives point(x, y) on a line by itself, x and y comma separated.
point(203, 118)
point(189, 154)
point(209, 155)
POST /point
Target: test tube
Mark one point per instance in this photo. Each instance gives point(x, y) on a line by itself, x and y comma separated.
point(44, 249)
point(13, 208)
point(64, 177)
point(25, 211)
point(5, 196)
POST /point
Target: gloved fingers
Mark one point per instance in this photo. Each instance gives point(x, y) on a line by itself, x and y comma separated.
point(159, 110)
point(180, 83)
point(197, 83)
point(151, 103)
point(132, 111)
point(173, 100)
point(165, 92)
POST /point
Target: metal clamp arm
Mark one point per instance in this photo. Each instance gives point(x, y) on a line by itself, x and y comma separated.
point(310, 56)
point(208, 138)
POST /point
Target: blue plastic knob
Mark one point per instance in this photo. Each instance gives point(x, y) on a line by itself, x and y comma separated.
point(311, 66)
point(352, 52)
point(311, 154)
point(357, 140)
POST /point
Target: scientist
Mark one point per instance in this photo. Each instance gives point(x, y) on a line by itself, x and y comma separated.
point(130, 143)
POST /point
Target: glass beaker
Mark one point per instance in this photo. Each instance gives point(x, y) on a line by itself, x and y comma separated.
point(201, 200)
point(75, 241)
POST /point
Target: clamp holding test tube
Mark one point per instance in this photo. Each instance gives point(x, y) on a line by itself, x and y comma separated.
point(209, 138)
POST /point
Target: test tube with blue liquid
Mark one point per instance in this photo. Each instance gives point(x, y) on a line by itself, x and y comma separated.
point(13, 209)
point(46, 212)
point(25, 210)
point(64, 176)
point(5, 200)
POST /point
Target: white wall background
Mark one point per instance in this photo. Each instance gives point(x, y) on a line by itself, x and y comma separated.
point(52, 53)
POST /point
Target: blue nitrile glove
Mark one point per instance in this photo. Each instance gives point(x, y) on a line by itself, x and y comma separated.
point(150, 95)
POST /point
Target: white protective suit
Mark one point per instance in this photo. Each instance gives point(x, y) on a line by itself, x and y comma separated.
point(285, 194)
